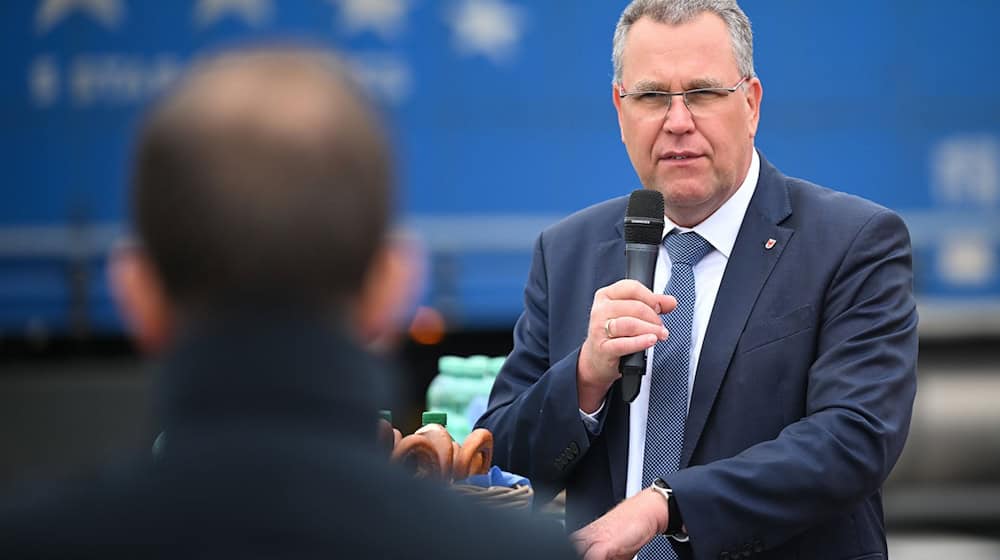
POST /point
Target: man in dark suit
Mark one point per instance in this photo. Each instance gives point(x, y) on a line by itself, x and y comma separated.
point(262, 197)
point(781, 363)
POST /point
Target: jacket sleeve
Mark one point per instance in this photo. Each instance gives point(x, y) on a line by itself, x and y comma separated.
point(533, 411)
point(859, 401)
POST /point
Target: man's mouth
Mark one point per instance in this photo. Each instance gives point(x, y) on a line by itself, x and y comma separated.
point(678, 156)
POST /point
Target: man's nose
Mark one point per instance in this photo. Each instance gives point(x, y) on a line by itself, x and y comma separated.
point(678, 119)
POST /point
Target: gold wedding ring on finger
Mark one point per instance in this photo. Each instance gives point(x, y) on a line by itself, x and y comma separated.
point(607, 328)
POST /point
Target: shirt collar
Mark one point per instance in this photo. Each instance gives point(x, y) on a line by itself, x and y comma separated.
point(721, 228)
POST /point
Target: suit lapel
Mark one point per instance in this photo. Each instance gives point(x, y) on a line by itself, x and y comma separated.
point(748, 268)
point(610, 259)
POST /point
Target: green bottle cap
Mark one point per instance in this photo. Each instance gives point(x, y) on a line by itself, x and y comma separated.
point(469, 368)
point(385, 415)
point(434, 417)
point(450, 363)
point(478, 364)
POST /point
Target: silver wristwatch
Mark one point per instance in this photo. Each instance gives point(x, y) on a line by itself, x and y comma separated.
point(663, 489)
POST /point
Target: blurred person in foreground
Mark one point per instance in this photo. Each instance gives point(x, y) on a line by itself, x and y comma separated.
point(782, 330)
point(262, 196)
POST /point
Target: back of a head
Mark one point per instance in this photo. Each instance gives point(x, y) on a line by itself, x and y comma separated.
point(263, 178)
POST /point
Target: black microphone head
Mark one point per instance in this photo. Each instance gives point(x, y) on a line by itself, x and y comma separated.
point(644, 217)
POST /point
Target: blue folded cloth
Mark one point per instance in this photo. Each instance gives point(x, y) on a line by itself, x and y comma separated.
point(495, 477)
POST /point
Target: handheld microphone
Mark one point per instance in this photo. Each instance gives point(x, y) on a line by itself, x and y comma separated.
point(643, 235)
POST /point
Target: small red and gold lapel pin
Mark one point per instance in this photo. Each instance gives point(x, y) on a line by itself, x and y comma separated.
point(770, 243)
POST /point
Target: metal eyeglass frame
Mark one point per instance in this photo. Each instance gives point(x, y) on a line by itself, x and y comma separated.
point(622, 94)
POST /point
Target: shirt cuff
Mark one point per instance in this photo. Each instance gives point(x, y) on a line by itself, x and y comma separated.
point(594, 421)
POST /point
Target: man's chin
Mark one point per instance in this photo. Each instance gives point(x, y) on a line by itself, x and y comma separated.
point(684, 193)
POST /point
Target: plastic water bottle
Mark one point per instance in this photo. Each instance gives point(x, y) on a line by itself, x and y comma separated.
point(459, 382)
point(490, 370)
point(494, 370)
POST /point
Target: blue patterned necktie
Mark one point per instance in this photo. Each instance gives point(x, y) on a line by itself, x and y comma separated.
point(668, 386)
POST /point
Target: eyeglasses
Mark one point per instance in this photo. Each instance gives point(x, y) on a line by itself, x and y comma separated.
point(701, 102)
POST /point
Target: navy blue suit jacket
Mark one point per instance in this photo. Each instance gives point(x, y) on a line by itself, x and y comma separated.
point(803, 391)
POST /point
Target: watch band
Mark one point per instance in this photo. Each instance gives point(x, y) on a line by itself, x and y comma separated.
point(675, 525)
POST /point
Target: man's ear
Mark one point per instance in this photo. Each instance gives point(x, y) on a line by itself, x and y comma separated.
point(616, 100)
point(140, 298)
point(394, 282)
point(754, 95)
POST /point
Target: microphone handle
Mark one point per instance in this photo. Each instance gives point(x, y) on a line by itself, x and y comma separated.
point(640, 261)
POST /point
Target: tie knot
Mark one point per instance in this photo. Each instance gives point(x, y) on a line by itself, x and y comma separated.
point(687, 247)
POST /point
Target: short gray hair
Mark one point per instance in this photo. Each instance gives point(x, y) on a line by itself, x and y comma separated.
point(675, 12)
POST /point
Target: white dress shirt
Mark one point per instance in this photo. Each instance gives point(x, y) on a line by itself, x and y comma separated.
point(720, 230)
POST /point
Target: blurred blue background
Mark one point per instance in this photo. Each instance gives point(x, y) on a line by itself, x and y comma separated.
point(503, 121)
point(501, 111)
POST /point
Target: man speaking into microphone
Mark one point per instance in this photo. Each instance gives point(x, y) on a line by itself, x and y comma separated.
point(780, 331)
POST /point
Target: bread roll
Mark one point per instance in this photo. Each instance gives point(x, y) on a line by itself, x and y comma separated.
point(428, 453)
point(458, 468)
point(418, 455)
point(476, 455)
